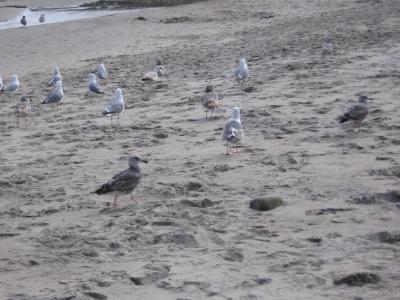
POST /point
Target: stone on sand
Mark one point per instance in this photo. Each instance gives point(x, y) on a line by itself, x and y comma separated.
point(266, 203)
point(358, 279)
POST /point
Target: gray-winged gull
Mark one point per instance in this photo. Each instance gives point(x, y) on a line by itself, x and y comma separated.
point(327, 47)
point(209, 100)
point(23, 21)
point(356, 112)
point(56, 95)
point(233, 131)
point(23, 109)
point(159, 68)
point(115, 106)
point(125, 181)
point(12, 86)
point(41, 19)
point(102, 72)
point(242, 72)
point(93, 86)
point(56, 76)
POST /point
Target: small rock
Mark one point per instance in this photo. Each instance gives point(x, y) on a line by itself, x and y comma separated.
point(95, 295)
point(266, 203)
point(193, 186)
point(387, 237)
point(358, 279)
point(136, 280)
point(249, 89)
point(140, 18)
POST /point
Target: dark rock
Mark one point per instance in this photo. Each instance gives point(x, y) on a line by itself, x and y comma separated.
point(96, 295)
point(358, 279)
point(387, 237)
point(314, 240)
point(193, 186)
point(391, 196)
point(266, 203)
point(136, 280)
point(140, 18)
point(249, 89)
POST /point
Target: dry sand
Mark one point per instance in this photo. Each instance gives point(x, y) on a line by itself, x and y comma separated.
point(191, 234)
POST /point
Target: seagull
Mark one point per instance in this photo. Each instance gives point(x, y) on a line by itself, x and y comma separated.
point(233, 131)
point(151, 75)
point(55, 77)
point(125, 181)
point(93, 86)
point(115, 106)
point(23, 108)
point(356, 112)
point(159, 68)
point(209, 100)
point(327, 47)
point(23, 21)
point(242, 72)
point(56, 95)
point(12, 86)
point(41, 19)
point(102, 72)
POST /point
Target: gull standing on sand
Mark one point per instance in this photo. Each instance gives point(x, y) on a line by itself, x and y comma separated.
point(115, 106)
point(356, 112)
point(12, 86)
point(327, 47)
point(23, 109)
point(159, 68)
point(56, 95)
point(242, 72)
point(55, 77)
point(41, 19)
point(233, 131)
point(209, 100)
point(93, 86)
point(23, 21)
point(125, 181)
point(102, 72)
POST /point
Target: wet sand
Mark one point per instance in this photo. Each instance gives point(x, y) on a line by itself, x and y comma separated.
point(191, 234)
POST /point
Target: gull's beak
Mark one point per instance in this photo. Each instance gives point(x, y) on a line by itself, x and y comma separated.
point(143, 160)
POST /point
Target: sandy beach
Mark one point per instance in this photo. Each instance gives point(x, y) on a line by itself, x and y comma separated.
point(190, 233)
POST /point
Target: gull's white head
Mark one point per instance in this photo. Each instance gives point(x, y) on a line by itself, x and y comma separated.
point(242, 62)
point(118, 93)
point(92, 77)
point(363, 99)
point(236, 114)
point(56, 71)
point(14, 78)
point(102, 67)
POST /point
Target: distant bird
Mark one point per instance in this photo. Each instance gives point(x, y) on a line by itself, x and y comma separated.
point(23, 109)
point(209, 100)
point(12, 86)
point(102, 72)
point(55, 96)
point(233, 131)
point(56, 76)
point(159, 68)
point(356, 112)
point(242, 72)
point(151, 75)
point(1, 84)
point(41, 19)
point(23, 21)
point(125, 181)
point(115, 106)
point(93, 86)
point(327, 47)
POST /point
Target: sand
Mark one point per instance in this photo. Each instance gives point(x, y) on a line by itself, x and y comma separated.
point(190, 233)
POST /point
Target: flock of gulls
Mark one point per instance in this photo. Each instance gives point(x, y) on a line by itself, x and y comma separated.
point(127, 180)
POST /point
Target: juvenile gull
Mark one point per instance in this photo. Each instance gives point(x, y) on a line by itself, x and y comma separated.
point(233, 131)
point(41, 19)
point(23, 109)
point(209, 100)
point(115, 106)
point(56, 95)
point(102, 72)
point(23, 21)
point(242, 72)
point(55, 77)
point(125, 181)
point(159, 68)
point(356, 112)
point(93, 86)
point(12, 86)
